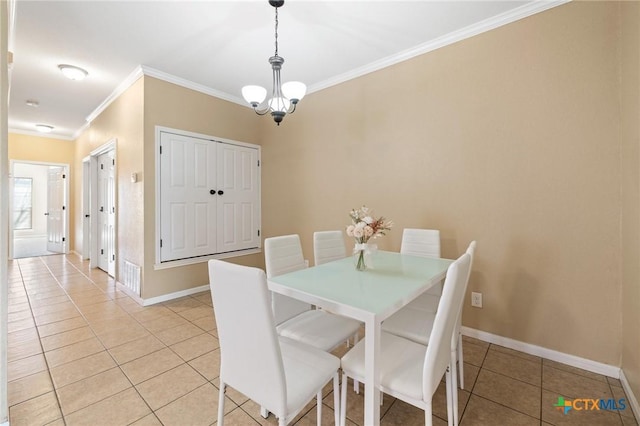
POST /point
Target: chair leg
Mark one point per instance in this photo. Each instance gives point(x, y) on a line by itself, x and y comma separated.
point(449, 387)
point(264, 412)
point(343, 400)
point(428, 418)
point(460, 362)
point(319, 408)
point(221, 403)
point(336, 398)
point(454, 388)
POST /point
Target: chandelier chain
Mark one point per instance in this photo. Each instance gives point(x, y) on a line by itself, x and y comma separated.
point(276, 37)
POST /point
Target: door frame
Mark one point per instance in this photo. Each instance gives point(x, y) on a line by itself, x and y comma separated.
point(86, 208)
point(110, 145)
point(65, 166)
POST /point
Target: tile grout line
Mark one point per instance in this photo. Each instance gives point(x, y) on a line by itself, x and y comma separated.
point(46, 361)
point(99, 340)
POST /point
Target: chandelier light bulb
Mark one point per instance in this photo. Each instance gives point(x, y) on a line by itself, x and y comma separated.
point(279, 104)
point(294, 90)
point(254, 95)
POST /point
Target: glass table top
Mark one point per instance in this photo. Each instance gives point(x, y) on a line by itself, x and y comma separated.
point(391, 282)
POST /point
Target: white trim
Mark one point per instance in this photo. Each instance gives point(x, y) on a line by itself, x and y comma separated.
point(78, 132)
point(122, 87)
point(201, 259)
point(631, 397)
point(572, 360)
point(179, 81)
point(442, 41)
point(175, 295)
point(4, 424)
point(41, 135)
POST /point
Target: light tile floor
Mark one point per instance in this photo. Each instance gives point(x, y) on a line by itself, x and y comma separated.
point(82, 352)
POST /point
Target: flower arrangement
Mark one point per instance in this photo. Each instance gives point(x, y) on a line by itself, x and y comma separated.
point(363, 228)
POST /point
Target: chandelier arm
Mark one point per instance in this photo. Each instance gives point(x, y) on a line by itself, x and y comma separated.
point(262, 111)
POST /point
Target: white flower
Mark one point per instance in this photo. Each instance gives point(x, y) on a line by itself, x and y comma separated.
point(360, 225)
point(368, 220)
point(350, 229)
point(368, 231)
point(358, 232)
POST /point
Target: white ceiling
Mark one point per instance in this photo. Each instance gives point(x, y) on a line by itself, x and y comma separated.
point(220, 46)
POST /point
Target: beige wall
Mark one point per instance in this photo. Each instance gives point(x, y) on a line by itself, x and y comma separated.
point(510, 138)
point(49, 150)
point(169, 105)
point(122, 120)
point(630, 77)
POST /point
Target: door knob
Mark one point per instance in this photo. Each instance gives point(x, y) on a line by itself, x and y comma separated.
point(46, 214)
point(220, 192)
point(212, 192)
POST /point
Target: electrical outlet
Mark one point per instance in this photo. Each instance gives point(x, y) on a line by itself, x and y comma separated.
point(476, 299)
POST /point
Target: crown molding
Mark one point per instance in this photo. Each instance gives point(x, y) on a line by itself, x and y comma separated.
point(453, 37)
point(122, 87)
point(169, 78)
point(445, 40)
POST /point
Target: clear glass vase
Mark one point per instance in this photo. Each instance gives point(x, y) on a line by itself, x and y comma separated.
point(360, 259)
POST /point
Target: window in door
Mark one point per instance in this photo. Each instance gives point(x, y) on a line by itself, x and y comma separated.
point(22, 202)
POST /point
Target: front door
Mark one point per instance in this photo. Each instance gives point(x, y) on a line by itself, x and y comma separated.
point(56, 210)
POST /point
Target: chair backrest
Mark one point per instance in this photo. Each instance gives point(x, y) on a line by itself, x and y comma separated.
point(471, 251)
point(251, 361)
point(421, 242)
point(328, 246)
point(438, 353)
point(284, 254)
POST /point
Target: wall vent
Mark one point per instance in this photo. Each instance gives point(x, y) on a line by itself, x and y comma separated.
point(131, 277)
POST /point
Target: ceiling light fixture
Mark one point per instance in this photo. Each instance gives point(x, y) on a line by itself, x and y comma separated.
point(44, 128)
point(284, 97)
point(73, 72)
point(33, 103)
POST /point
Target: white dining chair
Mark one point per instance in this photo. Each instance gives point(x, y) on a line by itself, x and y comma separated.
point(328, 246)
point(295, 319)
point(416, 325)
point(424, 243)
point(279, 374)
point(411, 371)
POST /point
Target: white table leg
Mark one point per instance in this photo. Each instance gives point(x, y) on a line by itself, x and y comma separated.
point(372, 376)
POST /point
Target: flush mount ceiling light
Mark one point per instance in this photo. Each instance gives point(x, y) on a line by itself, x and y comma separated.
point(73, 72)
point(284, 97)
point(44, 128)
point(33, 103)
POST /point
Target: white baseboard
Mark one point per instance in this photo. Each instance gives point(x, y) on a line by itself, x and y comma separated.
point(160, 299)
point(176, 295)
point(633, 401)
point(572, 360)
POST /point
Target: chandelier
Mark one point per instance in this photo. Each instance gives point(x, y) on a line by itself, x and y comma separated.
point(284, 97)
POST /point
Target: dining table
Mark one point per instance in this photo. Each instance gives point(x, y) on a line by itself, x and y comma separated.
point(390, 281)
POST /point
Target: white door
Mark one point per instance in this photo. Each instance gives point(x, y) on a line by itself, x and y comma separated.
point(238, 198)
point(188, 197)
point(56, 210)
point(106, 213)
